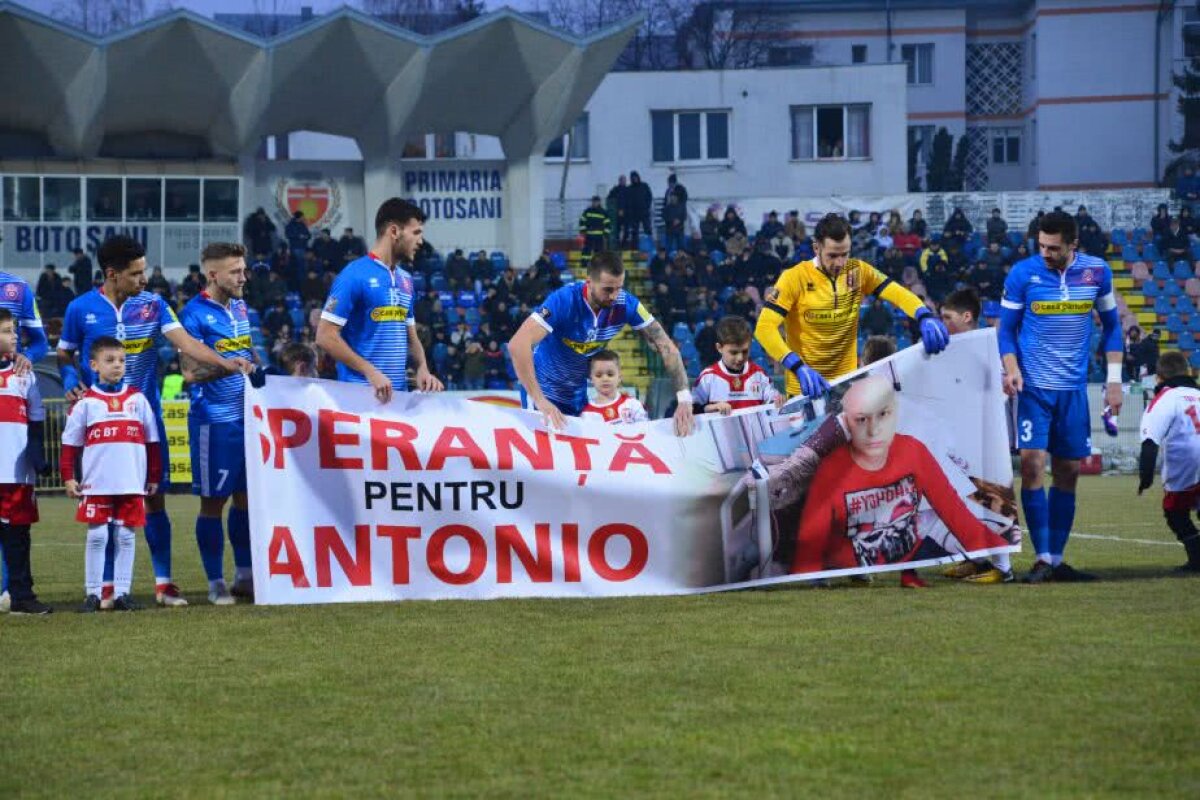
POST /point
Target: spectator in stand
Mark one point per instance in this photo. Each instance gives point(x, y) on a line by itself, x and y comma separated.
point(956, 231)
point(506, 286)
point(783, 247)
point(259, 232)
point(458, 271)
point(710, 231)
point(616, 204)
point(675, 189)
point(1132, 363)
point(254, 293)
point(47, 284)
point(895, 222)
point(997, 228)
point(1187, 222)
point(275, 290)
point(1084, 219)
point(772, 227)
point(1093, 241)
point(423, 308)
point(297, 235)
point(276, 320)
point(1031, 233)
point(60, 297)
point(706, 341)
point(283, 337)
point(893, 263)
point(882, 242)
point(81, 271)
point(658, 265)
point(312, 290)
point(878, 321)
point(495, 372)
point(939, 280)
point(932, 254)
point(743, 273)
point(794, 229)
point(531, 288)
point(329, 258)
point(731, 226)
point(765, 266)
point(351, 246)
point(1187, 187)
point(994, 257)
point(641, 200)
point(908, 243)
point(918, 226)
point(1020, 254)
point(856, 221)
point(594, 228)
point(1160, 223)
point(482, 271)
point(986, 279)
point(474, 366)
point(741, 304)
point(1147, 353)
point(674, 217)
point(158, 283)
point(194, 282)
point(708, 278)
point(461, 334)
point(1175, 245)
point(281, 262)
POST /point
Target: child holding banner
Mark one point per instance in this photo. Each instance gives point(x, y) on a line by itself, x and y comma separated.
point(734, 381)
point(610, 404)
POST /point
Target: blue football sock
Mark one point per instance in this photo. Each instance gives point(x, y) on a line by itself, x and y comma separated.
point(3, 572)
point(1037, 519)
point(239, 536)
point(211, 541)
point(110, 556)
point(158, 540)
point(1062, 516)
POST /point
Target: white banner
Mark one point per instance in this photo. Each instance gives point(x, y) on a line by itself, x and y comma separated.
point(439, 497)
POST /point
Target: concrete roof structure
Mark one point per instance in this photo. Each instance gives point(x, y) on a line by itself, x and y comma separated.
point(180, 85)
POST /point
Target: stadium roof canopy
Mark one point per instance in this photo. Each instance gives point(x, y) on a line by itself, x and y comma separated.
point(182, 85)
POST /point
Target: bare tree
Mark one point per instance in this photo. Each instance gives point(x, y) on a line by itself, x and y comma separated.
point(100, 17)
point(424, 16)
point(726, 38)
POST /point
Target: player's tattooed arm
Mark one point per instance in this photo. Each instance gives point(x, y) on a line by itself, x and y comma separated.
point(658, 339)
point(197, 371)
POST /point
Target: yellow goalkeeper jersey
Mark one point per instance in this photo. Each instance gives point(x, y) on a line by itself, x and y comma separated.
point(819, 315)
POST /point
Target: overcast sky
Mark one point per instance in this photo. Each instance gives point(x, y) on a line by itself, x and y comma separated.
point(209, 7)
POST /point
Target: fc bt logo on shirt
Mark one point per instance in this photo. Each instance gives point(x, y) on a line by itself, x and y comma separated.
point(1088, 276)
point(10, 291)
point(146, 312)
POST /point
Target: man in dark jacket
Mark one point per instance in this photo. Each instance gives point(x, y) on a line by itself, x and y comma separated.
point(616, 204)
point(637, 215)
point(997, 228)
point(458, 271)
point(674, 214)
point(297, 235)
point(81, 272)
point(594, 227)
point(675, 189)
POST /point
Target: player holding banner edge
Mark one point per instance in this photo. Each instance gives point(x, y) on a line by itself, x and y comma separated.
point(1045, 344)
point(817, 304)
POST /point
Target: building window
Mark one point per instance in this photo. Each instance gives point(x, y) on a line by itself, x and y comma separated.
point(1006, 146)
point(183, 199)
point(220, 200)
point(858, 54)
point(22, 200)
point(689, 136)
point(919, 58)
point(794, 56)
point(438, 145)
point(831, 132)
point(61, 199)
point(105, 201)
point(579, 142)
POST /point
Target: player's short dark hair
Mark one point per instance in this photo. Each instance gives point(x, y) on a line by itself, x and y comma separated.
point(118, 252)
point(608, 261)
point(105, 343)
point(965, 300)
point(294, 353)
point(1172, 364)
point(6, 315)
point(877, 348)
point(832, 226)
point(733, 329)
point(398, 212)
point(1059, 223)
point(218, 251)
point(607, 355)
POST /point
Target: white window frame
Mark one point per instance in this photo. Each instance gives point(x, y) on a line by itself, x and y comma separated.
point(585, 121)
point(704, 160)
point(918, 49)
point(1005, 134)
point(816, 140)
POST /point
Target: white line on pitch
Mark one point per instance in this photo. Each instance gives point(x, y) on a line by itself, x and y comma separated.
point(1122, 539)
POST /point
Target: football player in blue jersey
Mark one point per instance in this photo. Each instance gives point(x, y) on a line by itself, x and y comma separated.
point(367, 324)
point(219, 318)
point(17, 297)
point(123, 309)
point(1045, 343)
point(552, 349)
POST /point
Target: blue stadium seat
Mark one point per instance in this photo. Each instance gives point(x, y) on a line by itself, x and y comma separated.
point(717, 256)
point(297, 315)
point(440, 354)
point(1182, 270)
point(1184, 305)
point(1119, 237)
point(1175, 323)
point(254, 317)
point(1161, 271)
point(1195, 251)
point(452, 317)
point(1163, 305)
point(1194, 359)
point(437, 282)
point(1151, 289)
point(1172, 288)
point(1149, 251)
point(1187, 341)
point(1139, 235)
point(473, 318)
point(559, 259)
point(1193, 323)
point(1129, 253)
point(447, 298)
point(991, 308)
point(681, 332)
point(292, 301)
point(499, 261)
point(646, 243)
point(1015, 239)
point(566, 276)
point(419, 282)
point(466, 299)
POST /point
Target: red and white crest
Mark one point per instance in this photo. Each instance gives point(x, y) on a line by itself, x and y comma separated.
point(318, 199)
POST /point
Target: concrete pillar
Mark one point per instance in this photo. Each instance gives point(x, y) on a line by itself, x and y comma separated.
point(524, 210)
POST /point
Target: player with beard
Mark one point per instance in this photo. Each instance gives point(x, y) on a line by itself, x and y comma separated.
point(553, 348)
point(367, 325)
point(219, 317)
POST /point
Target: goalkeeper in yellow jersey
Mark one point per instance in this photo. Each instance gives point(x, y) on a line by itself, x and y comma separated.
point(817, 303)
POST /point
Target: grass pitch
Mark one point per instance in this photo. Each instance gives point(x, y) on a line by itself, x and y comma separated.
point(1084, 690)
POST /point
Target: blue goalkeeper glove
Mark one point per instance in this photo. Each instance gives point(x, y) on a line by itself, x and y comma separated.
point(934, 335)
point(811, 383)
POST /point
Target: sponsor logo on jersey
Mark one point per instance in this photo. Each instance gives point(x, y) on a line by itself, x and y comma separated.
point(389, 314)
point(331, 304)
point(583, 348)
point(135, 346)
point(146, 312)
point(11, 291)
point(829, 314)
point(1060, 307)
point(233, 344)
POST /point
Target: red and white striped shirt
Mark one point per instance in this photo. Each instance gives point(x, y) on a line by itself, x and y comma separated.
point(621, 409)
point(752, 387)
point(114, 430)
point(20, 404)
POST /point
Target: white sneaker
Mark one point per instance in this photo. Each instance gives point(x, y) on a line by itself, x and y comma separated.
point(5, 603)
point(169, 596)
point(219, 595)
